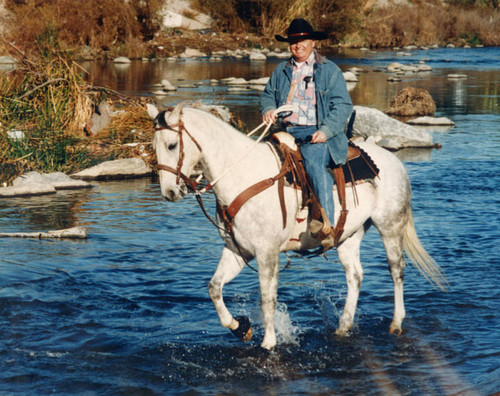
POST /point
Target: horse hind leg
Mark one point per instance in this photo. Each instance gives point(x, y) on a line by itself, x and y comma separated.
point(230, 265)
point(348, 252)
point(394, 252)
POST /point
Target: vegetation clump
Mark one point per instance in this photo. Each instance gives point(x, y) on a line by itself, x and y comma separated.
point(45, 110)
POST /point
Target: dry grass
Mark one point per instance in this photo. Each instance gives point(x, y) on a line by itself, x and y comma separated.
point(429, 24)
point(102, 26)
point(132, 28)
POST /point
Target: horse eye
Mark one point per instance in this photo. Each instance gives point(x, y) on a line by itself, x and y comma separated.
point(172, 146)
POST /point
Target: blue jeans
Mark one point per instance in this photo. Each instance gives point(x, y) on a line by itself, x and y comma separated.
point(316, 158)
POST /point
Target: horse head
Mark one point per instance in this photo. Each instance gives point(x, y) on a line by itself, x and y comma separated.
point(176, 151)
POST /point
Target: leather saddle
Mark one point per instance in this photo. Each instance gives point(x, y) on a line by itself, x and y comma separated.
point(359, 166)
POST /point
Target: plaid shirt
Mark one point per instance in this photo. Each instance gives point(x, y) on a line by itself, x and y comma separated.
point(302, 94)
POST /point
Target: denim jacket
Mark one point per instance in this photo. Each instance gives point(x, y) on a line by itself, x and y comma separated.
point(334, 105)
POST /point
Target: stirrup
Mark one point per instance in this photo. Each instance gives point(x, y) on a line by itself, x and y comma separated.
point(320, 230)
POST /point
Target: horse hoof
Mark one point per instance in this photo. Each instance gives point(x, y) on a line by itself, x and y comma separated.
point(396, 330)
point(243, 331)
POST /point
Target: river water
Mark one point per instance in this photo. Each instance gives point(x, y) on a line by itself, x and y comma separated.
point(127, 311)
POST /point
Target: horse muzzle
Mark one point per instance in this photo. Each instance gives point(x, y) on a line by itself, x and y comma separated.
point(173, 194)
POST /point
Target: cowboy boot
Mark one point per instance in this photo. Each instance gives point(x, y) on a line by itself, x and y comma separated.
point(322, 231)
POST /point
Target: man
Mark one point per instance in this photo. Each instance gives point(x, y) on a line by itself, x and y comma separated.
point(316, 89)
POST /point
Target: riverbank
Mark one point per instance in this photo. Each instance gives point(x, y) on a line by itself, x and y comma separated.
point(91, 32)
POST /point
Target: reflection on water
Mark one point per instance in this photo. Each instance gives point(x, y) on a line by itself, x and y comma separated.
point(476, 94)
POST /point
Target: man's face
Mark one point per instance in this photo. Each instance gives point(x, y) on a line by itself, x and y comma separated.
point(302, 49)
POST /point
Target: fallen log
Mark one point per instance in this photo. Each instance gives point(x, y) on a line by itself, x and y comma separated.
point(68, 233)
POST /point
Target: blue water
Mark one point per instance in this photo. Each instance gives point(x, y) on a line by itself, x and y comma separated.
point(127, 312)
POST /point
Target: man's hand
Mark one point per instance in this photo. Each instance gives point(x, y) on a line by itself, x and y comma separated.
point(269, 117)
point(318, 137)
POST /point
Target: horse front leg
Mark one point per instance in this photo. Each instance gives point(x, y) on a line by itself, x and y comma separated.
point(268, 265)
point(230, 265)
point(348, 253)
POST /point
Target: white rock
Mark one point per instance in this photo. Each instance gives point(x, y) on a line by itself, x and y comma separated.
point(442, 121)
point(350, 77)
point(373, 125)
point(409, 69)
point(257, 56)
point(284, 55)
point(27, 190)
point(237, 81)
point(57, 180)
point(99, 120)
point(351, 85)
point(122, 60)
point(167, 85)
point(259, 81)
point(192, 53)
point(14, 134)
point(7, 60)
point(423, 68)
point(116, 169)
point(394, 66)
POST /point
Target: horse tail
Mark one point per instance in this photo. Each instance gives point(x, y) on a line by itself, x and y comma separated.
point(419, 256)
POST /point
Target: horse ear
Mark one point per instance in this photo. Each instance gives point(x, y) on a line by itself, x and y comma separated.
point(175, 115)
point(152, 111)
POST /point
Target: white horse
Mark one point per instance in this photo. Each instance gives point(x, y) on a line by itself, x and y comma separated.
point(220, 150)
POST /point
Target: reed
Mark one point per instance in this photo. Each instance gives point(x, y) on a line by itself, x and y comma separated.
point(47, 99)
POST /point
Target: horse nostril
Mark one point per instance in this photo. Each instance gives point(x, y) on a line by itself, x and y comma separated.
point(169, 195)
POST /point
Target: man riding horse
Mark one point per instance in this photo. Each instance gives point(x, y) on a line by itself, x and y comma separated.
point(316, 89)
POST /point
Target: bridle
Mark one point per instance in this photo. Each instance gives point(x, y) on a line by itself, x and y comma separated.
point(178, 170)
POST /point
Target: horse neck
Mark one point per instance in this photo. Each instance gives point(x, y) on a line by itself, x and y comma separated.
point(223, 148)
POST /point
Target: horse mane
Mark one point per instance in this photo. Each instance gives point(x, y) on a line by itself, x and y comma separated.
point(215, 115)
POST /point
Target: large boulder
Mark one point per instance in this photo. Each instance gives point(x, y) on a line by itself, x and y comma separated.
point(412, 102)
point(374, 126)
point(116, 169)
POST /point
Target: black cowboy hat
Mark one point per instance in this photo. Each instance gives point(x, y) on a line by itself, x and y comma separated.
point(300, 29)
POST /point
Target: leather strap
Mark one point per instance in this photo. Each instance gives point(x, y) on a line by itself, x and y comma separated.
point(340, 181)
point(257, 188)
